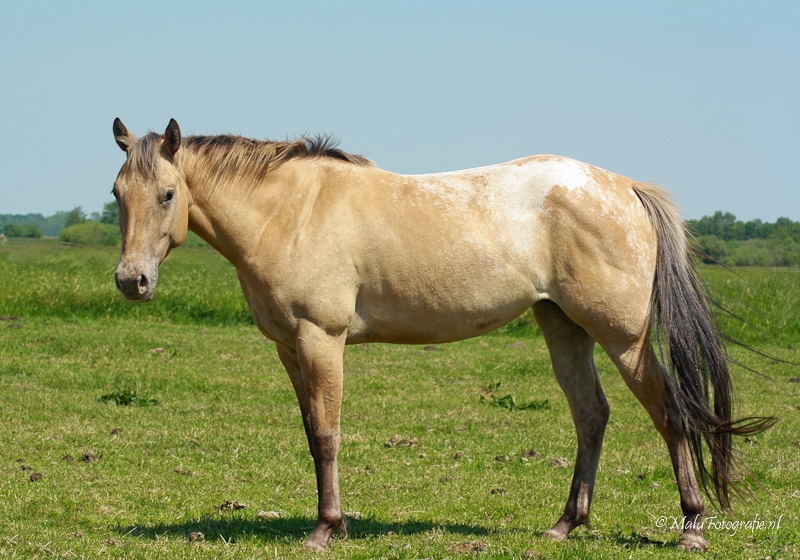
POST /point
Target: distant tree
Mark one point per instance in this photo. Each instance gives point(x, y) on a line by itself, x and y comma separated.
point(713, 247)
point(722, 225)
point(785, 230)
point(75, 216)
point(12, 230)
point(110, 213)
point(724, 239)
point(48, 226)
point(756, 229)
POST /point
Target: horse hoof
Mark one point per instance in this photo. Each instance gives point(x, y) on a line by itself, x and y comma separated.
point(693, 542)
point(555, 535)
point(314, 545)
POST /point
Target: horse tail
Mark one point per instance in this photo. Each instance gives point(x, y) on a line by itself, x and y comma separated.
point(696, 358)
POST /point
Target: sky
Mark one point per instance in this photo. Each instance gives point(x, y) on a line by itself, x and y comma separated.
point(700, 97)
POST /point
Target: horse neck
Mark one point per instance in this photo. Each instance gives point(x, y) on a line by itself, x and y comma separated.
point(230, 216)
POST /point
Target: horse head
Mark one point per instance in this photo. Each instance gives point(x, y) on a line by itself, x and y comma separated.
point(154, 202)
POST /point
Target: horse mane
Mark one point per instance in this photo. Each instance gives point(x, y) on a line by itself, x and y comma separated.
point(225, 158)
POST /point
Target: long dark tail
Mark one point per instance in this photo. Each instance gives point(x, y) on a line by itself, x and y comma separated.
point(697, 361)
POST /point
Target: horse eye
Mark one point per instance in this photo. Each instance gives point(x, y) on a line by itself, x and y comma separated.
point(115, 193)
point(169, 196)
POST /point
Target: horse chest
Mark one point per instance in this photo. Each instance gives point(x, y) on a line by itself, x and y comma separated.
point(281, 300)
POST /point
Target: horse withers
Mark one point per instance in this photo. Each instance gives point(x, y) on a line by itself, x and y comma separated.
point(331, 250)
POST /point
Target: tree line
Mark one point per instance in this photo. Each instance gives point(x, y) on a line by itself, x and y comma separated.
point(37, 225)
point(73, 226)
point(720, 238)
point(723, 239)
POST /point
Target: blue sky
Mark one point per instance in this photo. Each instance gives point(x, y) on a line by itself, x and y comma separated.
point(701, 97)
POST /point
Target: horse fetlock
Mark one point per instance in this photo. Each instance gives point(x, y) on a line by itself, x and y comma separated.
point(328, 524)
point(564, 526)
point(336, 522)
point(693, 509)
point(581, 519)
point(333, 517)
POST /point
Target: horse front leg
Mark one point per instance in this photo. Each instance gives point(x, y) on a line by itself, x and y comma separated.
point(315, 367)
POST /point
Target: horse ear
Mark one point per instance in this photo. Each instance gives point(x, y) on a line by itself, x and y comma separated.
point(122, 136)
point(172, 138)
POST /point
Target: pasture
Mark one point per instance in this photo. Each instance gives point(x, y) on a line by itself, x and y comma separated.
point(214, 425)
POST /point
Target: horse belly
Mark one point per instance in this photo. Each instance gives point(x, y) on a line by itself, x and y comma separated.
point(442, 304)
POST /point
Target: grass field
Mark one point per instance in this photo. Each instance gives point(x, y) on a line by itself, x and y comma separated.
point(219, 424)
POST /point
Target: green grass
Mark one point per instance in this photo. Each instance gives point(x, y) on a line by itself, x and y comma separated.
point(227, 428)
point(767, 298)
point(45, 278)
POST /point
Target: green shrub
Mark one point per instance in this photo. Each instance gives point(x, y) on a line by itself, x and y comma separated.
point(712, 246)
point(12, 230)
point(91, 233)
point(786, 253)
point(31, 231)
point(753, 252)
point(75, 216)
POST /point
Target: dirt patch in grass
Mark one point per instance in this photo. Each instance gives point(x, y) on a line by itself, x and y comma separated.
point(468, 547)
point(400, 441)
point(231, 505)
point(89, 458)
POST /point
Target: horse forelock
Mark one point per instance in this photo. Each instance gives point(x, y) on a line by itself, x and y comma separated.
point(143, 156)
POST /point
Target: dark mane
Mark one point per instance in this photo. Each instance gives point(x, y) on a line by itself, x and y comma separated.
point(227, 157)
point(256, 153)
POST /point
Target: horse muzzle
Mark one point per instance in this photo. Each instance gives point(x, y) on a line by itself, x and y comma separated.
point(136, 283)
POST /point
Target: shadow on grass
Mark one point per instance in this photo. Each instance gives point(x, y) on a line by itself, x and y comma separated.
point(232, 528)
point(635, 540)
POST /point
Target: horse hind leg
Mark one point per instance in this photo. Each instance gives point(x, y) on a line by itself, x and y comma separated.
point(572, 355)
point(646, 378)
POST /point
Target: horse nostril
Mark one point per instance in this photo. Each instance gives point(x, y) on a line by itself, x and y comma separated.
point(143, 283)
point(117, 282)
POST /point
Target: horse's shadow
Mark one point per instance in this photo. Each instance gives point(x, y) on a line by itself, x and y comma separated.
point(233, 528)
point(635, 540)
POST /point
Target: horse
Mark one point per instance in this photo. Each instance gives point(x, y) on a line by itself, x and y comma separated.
point(332, 250)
